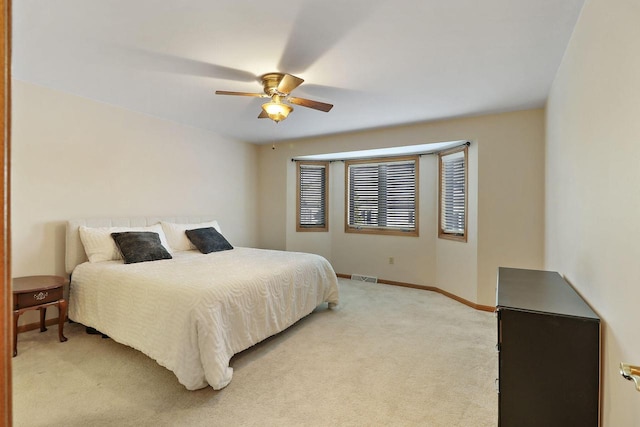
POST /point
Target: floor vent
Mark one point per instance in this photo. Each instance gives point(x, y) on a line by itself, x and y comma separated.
point(362, 278)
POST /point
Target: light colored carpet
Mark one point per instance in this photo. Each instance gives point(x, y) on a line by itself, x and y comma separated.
point(385, 356)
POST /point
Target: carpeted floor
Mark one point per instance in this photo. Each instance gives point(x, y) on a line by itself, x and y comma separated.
point(386, 356)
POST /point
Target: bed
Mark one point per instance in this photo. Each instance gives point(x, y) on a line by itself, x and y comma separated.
point(193, 312)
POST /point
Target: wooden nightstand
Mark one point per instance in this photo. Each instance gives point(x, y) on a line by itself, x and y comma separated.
point(38, 293)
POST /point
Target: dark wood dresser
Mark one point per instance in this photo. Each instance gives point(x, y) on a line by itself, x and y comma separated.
point(548, 352)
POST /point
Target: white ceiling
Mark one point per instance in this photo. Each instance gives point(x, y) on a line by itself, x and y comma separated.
point(380, 62)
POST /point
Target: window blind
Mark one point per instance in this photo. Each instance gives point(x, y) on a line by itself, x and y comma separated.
point(312, 199)
point(453, 193)
point(382, 195)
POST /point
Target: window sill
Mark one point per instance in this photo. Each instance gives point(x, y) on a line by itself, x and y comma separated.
point(454, 237)
point(382, 231)
point(309, 229)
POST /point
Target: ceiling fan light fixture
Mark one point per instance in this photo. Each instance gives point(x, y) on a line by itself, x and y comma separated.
point(278, 87)
point(277, 111)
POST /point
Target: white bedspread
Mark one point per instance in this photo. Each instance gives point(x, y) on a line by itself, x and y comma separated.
point(194, 312)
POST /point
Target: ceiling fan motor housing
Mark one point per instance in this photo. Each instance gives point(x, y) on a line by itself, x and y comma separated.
point(270, 83)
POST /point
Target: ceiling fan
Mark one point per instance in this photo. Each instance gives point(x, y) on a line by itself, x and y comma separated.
point(278, 87)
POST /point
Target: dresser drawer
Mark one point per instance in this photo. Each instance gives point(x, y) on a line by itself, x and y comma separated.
point(29, 299)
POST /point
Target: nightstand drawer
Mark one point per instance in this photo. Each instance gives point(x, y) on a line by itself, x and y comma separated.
point(29, 299)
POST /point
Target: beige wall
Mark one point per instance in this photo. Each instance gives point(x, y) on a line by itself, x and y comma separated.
point(511, 197)
point(507, 152)
point(75, 158)
point(414, 257)
point(450, 254)
point(593, 185)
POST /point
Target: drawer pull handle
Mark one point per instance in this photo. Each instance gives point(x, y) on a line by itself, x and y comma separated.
point(41, 295)
point(631, 373)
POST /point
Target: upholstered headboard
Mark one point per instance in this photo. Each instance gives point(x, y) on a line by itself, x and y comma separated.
point(75, 254)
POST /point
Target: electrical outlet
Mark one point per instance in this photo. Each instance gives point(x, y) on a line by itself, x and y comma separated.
point(391, 260)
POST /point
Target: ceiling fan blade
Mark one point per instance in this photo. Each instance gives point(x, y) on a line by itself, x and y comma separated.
point(263, 115)
point(311, 36)
point(156, 61)
point(289, 83)
point(226, 92)
point(316, 105)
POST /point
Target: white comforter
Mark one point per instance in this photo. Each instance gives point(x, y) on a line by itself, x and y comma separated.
point(194, 312)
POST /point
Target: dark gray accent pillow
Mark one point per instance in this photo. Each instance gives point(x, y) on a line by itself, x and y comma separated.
point(208, 240)
point(140, 246)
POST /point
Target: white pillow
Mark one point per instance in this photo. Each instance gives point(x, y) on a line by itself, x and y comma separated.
point(100, 246)
point(177, 237)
